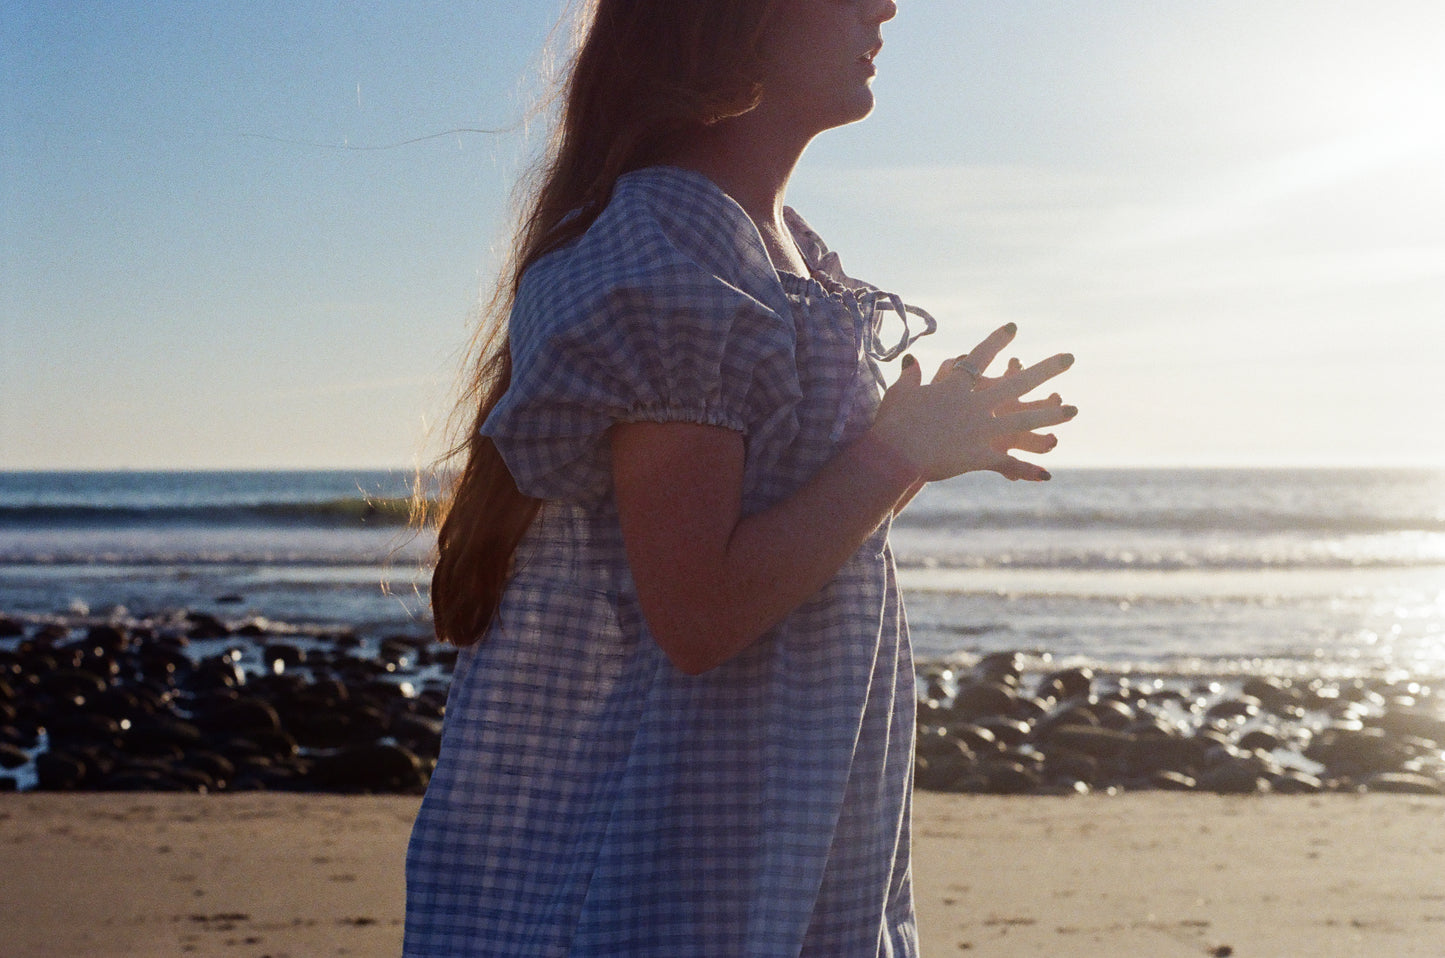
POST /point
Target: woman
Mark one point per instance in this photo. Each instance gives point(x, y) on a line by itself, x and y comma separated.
point(682, 720)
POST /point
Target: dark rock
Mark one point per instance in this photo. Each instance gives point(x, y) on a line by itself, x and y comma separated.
point(203, 625)
point(132, 779)
point(1274, 695)
point(1233, 710)
point(1233, 778)
point(1415, 722)
point(1403, 783)
point(1005, 777)
point(1151, 752)
point(1008, 731)
point(1069, 713)
point(319, 729)
point(1026, 709)
point(431, 702)
point(83, 728)
point(193, 779)
point(1067, 765)
point(1346, 750)
point(1167, 781)
point(158, 734)
point(1112, 713)
point(1151, 726)
point(1295, 782)
point(289, 656)
point(50, 633)
point(1066, 684)
point(977, 699)
point(1005, 668)
point(395, 649)
point(165, 662)
point(72, 683)
point(1259, 739)
point(217, 672)
point(978, 739)
point(12, 757)
point(59, 771)
point(377, 768)
point(217, 766)
point(1208, 737)
point(25, 733)
point(243, 716)
point(940, 761)
point(281, 746)
point(931, 711)
point(1100, 743)
point(943, 772)
point(110, 639)
point(421, 735)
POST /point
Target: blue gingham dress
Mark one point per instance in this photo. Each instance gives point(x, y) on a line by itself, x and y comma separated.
point(590, 798)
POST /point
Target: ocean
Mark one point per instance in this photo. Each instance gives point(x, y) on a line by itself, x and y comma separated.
point(1203, 573)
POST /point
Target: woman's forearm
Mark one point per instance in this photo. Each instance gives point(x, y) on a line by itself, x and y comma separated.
point(710, 581)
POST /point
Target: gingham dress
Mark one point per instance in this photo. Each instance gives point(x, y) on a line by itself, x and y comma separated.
point(590, 798)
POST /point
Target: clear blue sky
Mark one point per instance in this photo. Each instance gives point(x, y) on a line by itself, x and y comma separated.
point(1232, 212)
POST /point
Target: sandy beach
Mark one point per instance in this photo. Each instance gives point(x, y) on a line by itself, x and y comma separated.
point(1151, 875)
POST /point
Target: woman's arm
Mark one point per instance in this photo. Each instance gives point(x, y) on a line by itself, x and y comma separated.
point(711, 581)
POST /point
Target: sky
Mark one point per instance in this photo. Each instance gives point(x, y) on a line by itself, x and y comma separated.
point(218, 249)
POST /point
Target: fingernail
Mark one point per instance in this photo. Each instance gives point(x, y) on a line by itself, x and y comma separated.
point(909, 362)
point(1045, 475)
point(1068, 360)
point(1071, 411)
point(1011, 328)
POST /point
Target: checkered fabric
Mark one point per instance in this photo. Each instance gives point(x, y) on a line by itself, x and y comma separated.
point(591, 799)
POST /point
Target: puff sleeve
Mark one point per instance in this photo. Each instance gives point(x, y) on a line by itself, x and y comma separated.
point(631, 333)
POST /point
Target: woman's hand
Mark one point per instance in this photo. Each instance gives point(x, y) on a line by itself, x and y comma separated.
point(710, 579)
point(964, 421)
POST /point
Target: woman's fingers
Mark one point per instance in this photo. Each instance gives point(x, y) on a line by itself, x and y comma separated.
point(1027, 380)
point(976, 421)
point(1015, 469)
point(1052, 402)
point(976, 362)
point(1034, 442)
point(1027, 420)
point(912, 373)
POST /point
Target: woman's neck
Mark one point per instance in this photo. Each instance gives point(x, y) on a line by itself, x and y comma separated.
point(753, 168)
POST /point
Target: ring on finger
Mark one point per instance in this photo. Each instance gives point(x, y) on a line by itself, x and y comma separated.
point(964, 366)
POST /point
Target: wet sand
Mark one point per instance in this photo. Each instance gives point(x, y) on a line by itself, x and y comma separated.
point(1153, 875)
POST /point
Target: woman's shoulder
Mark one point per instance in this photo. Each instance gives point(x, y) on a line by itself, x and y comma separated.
point(663, 226)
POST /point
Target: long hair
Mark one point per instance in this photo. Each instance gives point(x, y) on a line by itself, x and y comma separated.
point(648, 75)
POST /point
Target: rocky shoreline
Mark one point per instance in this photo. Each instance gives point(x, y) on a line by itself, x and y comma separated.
point(189, 701)
point(186, 701)
point(995, 730)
